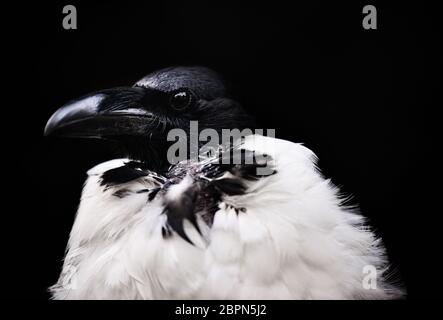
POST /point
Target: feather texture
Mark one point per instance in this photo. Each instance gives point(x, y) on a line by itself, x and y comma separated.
point(286, 236)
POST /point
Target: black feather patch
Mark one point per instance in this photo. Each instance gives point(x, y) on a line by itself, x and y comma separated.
point(179, 210)
point(251, 171)
point(241, 163)
point(153, 193)
point(121, 175)
point(230, 186)
point(122, 193)
point(166, 232)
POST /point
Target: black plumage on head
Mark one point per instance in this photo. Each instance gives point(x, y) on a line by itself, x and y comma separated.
point(138, 118)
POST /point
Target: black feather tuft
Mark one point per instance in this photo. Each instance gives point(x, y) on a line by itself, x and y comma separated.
point(153, 193)
point(230, 186)
point(183, 208)
point(121, 175)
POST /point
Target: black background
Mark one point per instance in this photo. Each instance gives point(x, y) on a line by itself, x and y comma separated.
point(363, 100)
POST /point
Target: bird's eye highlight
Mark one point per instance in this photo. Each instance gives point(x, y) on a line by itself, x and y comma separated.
point(180, 100)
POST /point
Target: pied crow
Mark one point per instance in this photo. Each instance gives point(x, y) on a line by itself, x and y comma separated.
point(205, 228)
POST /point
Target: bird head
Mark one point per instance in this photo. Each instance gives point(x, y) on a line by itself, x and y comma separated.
point(138, 118)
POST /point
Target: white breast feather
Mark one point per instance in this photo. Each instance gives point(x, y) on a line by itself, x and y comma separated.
point(295, 241)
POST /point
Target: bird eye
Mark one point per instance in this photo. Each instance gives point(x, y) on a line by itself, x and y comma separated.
point(180, 100)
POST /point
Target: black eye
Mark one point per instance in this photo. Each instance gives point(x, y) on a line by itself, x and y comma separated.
point(180, 100)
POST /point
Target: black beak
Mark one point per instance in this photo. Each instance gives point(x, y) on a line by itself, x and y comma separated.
point(107, 113)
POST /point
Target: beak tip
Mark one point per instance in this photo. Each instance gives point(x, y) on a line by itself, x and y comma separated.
point(47, 131)
point(48, 128)
point(72, 112)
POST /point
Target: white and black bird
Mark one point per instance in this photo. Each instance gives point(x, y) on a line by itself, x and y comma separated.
point(203, 229)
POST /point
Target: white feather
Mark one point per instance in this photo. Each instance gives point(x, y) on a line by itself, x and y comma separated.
point(295, 241)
